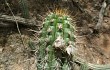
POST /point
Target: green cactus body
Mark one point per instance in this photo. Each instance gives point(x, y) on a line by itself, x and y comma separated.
point(24, 8)
point(57, 32)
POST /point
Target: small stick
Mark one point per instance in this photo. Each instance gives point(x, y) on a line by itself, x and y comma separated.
point(101, 15)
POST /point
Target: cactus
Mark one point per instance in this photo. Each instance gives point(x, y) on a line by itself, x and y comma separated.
point(24, 8)
point(56, 42)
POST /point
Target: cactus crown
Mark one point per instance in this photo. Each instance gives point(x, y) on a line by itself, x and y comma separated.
point(57, 24)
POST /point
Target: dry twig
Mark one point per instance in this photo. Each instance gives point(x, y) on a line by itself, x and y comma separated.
point(19, 20)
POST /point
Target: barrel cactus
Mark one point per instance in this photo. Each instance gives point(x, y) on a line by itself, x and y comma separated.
point(56, 42)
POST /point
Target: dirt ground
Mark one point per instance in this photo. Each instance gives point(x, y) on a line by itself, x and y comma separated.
point(94, 47)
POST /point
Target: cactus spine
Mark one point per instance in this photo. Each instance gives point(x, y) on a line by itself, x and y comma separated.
point(57, 38)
